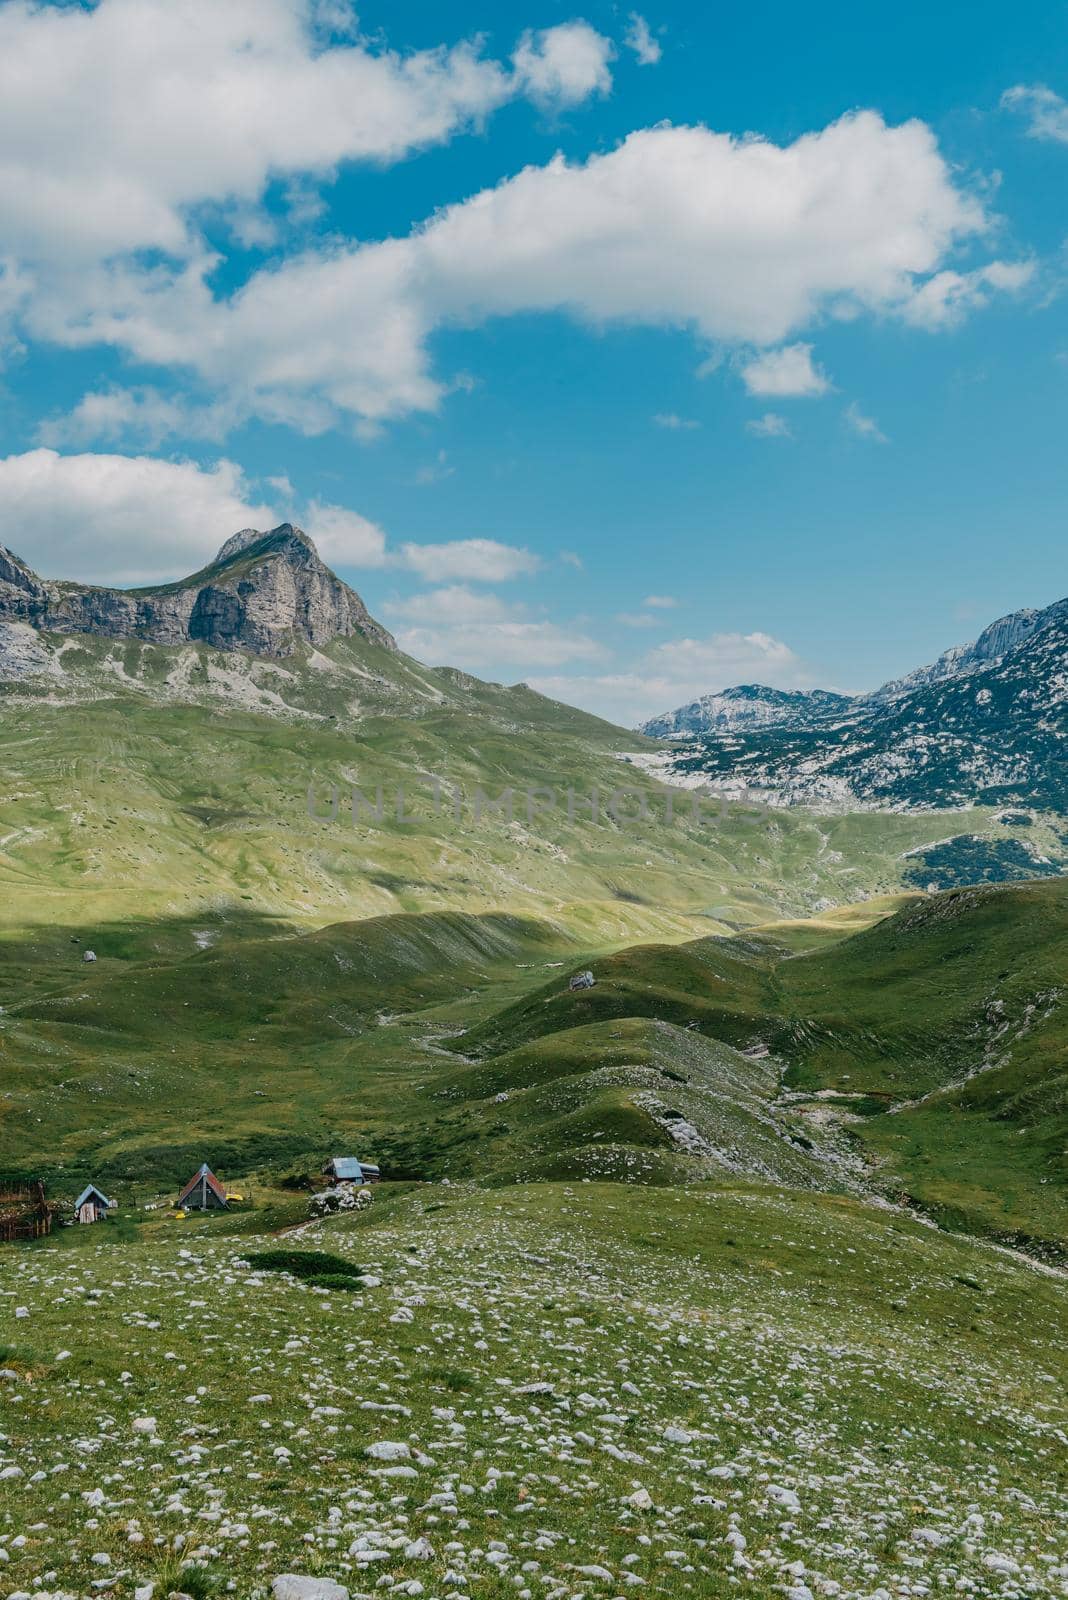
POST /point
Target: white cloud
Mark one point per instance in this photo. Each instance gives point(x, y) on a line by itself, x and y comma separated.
point(738, 240)
point(121, 519)
point(785, 373)
point(435, 471)
point(636, 619)
point(677, 672)
point(660, 602)
point(481, 632)
point(507, 644)
point(1046, 111)
point(344, 538)
point(117, 120)
point(484, 560)
point(770, 426)
point(639, 39)
point(865, 426)
point(563, 65)
point(142, 413)
point(673, 422)
point(727, 658)
point(945, 300)
point(130, 519)
point(454, 604)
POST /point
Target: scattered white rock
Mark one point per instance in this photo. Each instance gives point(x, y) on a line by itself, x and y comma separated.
point(389, 1450)
point(296, 1586)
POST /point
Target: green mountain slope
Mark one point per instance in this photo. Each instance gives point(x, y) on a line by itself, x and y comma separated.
point(334, 898)
point(939, 1037)
point(633, 1100)
point(156, 781)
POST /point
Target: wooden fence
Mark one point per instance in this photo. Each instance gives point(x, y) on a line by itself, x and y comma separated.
point(24, 1212)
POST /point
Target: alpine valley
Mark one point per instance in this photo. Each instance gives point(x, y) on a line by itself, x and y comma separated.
point(723, 1232)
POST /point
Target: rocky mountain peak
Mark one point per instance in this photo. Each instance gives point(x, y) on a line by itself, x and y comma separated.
point(246, 537)
point(266, 593)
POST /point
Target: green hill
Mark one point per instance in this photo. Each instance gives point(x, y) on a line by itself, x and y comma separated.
point(923, 1057)
point(938, 1038)
point(152, 781)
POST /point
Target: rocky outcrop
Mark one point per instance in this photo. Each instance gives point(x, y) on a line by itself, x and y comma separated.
point(749, 705)
point(991, 731)
point(993, 643)
point(265, 593)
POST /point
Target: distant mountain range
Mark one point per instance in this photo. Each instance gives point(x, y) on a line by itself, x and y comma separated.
point(984, 724)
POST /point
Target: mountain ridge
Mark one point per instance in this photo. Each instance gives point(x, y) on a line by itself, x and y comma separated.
point(983, 724)
point(265, 593)
point(746, 705)
point(758, 703)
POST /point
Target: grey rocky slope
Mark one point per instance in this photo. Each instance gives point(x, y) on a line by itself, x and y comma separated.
point(265, 593)
point(985, 724)
point(748, 705)
point(992, 645)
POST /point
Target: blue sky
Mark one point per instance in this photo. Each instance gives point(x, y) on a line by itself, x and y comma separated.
point(628, 354)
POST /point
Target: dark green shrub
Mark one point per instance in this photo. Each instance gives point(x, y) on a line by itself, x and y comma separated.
point(304, 1263)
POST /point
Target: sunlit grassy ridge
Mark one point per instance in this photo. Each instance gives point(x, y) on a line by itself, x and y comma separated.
point(945, 1024)
point(583, 1385)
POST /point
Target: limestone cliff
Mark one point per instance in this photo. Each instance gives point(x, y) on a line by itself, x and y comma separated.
point(265, 593)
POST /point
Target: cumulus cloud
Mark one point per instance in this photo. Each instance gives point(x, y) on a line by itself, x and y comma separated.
point(453, 604)
point(121, 519)
point(785, 373)
point(484, 560)
point(946, 299)
point(344, 537)
point(142, 413)
point(480, 631)
point(660, 602)
point(134, 519)
point(740, 241)
point(477, 630)
point(501, 648)
point(639, 39)
point(1045, 110)
point(636, 619)
point(563, 65)
point(117, 120)
point(678, 671)
point(770, 426)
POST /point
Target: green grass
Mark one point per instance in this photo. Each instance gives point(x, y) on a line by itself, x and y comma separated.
point(174, 785)
point(924, 1057)
point(941, 1029)
point(546, 1339)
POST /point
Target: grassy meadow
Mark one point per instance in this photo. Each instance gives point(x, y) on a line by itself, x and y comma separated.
point(741, 1271)
point(549, 1389)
